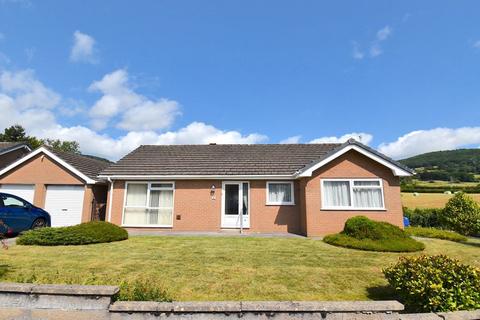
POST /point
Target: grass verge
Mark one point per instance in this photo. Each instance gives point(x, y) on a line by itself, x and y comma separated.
point(435, 233)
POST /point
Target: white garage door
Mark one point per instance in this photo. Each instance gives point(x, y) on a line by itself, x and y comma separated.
point(24, 191)
point(65, 204)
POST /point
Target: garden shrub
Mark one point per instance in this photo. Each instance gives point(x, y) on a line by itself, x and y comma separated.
point(462, 214)
point(384, 245)
point(142, 290)
point(435, 233)
point(435, 284)
point(427, 218)
point(85, 233)
point(361, 227)
point(365, 234)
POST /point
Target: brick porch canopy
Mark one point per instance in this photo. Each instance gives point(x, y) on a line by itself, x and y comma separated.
point(229, 161)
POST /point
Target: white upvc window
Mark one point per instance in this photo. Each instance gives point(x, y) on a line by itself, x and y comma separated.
point(148, 204)
point(352, 194)
point(280, 193)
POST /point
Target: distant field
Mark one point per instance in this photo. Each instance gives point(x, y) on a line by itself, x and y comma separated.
point(446, 184)
point(429, 200)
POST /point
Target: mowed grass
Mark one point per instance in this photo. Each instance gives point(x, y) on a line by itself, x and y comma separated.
point(226, 268)
point(429, 200)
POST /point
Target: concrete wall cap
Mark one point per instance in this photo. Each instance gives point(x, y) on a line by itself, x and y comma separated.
point(59, 289)
point(141, 306)
point(209, 307)
point(460, 315)
point(256, 306)
point(325, 306)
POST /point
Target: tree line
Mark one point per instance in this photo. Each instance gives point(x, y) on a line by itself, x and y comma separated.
point(16, 133)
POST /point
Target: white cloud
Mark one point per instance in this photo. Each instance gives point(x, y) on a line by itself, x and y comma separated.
point(375, 48)
point(29, 53)
point(19, 89)
point(357, 53)
point(135, 111)
point(83, 49)
point(437, 139)
point(293, 139)
point(362, 137)
point(150, 115)
point(384, 33)
point(476, 44)
point(26, 91)
point(2, 36)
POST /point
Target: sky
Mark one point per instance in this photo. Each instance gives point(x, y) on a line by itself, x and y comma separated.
point(402, 77)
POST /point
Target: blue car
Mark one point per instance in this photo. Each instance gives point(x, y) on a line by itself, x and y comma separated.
point(19, 215)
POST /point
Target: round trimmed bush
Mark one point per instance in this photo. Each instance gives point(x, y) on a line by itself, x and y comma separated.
point(85, 233)
point(462, 214)
point(365, 234)
point(363, 228)
point(435, 283)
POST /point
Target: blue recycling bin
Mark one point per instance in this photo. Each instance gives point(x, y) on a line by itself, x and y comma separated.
point(406, 222)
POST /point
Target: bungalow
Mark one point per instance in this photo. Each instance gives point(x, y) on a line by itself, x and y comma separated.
point(309, 189)
point(64, 184)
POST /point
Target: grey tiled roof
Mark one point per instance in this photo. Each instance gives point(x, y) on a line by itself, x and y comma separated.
point(86, 165)
point(221, 159)
point(5, 146)
point(228, 159)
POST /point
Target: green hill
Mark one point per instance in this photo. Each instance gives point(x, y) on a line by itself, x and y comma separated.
point(452, 165)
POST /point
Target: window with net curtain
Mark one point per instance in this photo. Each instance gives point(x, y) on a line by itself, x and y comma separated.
point(280, 192)
point(352, 194)
point(149, 204)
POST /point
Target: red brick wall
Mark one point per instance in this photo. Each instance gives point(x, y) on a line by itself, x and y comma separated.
point(198, 212)
point(350, 165)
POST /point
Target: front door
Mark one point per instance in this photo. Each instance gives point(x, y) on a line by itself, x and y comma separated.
point(235, 205)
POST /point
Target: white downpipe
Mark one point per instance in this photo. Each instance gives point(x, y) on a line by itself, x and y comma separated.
point(110, 199)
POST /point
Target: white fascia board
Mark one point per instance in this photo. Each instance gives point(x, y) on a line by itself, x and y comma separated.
point(198, 177)
point(397, 171)
point(54, 157)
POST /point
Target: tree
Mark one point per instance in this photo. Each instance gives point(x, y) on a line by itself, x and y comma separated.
point(462, 214)
point(65, 146)
point(16, 133)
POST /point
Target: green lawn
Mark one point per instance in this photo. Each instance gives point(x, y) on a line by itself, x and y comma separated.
point(226, 268)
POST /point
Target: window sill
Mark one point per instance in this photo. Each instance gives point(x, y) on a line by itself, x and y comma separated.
point(280, 204)
point(146, 226)
point(353, 209)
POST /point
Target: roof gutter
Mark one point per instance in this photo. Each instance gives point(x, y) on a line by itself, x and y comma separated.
point(198, 177)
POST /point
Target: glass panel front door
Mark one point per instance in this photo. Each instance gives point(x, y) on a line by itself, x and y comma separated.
point(235, 200)
point(231, 199)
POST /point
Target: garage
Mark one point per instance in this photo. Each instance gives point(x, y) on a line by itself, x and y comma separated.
point(65, 204)
point(65, 184)
point(24, 191)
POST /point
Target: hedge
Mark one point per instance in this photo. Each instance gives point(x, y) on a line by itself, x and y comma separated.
point(85, 233)
point(427, 218)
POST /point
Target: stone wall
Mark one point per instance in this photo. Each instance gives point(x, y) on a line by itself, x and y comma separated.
point(52, 302)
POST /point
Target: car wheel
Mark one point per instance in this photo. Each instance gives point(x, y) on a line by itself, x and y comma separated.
point(39, 223)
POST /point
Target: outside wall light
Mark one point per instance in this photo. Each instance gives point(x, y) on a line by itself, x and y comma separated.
point(212, 192)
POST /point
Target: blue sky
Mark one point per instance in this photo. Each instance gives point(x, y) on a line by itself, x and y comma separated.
point(404, 76)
